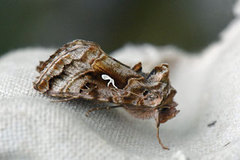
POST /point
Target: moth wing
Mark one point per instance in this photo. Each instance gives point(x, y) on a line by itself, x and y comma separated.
point(86, 85)
point(101, 81)
point(76, 71)
point(72, 58)
point(119, 73)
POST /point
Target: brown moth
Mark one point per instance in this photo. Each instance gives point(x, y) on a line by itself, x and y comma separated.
point(81, 69)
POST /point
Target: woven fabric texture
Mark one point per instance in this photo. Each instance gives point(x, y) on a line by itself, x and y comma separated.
point(32, 126)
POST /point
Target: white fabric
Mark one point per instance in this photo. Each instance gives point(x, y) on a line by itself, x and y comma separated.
point(208, 85)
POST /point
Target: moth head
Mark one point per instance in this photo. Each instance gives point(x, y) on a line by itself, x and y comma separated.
point(150, 98)
point(166, 108)
point(154, 90)
point(159, 92)
point(159, 98)
point(162, 115)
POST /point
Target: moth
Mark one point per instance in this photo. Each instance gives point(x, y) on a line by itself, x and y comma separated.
point(81, 69)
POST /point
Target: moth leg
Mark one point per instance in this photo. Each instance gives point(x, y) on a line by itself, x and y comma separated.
point(157, 118)
point(100, 108)
point(64, 99)
point(159, 140)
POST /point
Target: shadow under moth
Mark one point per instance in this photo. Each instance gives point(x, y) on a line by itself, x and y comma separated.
point(81, 69)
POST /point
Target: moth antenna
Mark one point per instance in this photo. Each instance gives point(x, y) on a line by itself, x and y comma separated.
point(64, 99)
point(100, 108)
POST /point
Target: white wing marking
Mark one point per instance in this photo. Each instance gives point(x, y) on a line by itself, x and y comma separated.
point(107, 77)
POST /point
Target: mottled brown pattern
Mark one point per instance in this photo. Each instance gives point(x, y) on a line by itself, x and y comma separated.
point(81, 69)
